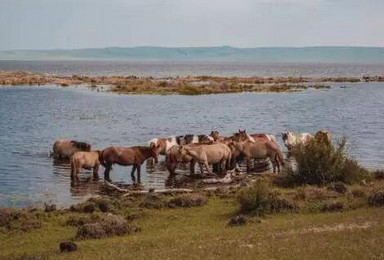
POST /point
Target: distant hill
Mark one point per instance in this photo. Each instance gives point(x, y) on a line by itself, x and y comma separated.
point(225, 53)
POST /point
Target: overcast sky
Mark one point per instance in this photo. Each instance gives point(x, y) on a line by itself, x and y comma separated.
point(49, 24)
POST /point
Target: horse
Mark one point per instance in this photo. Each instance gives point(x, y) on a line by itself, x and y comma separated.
point(323, 136)
point(217, 138)
point(264, 137)
point(126, 156)
point(63, 148)
point(261, 150)
point(198, 139)
point(85, 160)
point(242, 135)
point(291, 140)
point(173, 157)
point(206, 154)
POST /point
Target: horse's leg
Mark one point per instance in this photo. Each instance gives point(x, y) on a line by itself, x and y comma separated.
point(201, 165)
point(274, 162)
point(138, 173)
point(108, 167)
point(133, 173)
point(207, 167)
point(192, 167)
point(216, 167)
point(248, 165)
point(96, 171)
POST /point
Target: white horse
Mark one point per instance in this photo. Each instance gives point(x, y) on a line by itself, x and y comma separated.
point(291, 139)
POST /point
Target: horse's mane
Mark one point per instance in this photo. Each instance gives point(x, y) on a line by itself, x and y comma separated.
point(80, 145)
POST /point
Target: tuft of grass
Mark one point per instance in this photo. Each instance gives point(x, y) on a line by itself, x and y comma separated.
point(376, 198)
point(188, 200)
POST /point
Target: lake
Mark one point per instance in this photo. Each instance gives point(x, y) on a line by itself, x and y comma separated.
point(194, 68)
point(33, 117)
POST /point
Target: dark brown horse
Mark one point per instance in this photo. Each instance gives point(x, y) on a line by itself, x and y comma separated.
point(127, 156)
point(63, 148)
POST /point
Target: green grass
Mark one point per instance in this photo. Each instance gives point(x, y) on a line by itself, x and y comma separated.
point(202, 233)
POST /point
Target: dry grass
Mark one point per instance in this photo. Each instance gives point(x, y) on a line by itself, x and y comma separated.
point(181, 85)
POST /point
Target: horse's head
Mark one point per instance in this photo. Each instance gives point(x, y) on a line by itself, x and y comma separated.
point(188, 139)
point(215, 135)
point(323, 136)
point(155, 150)
point(206, 139)
point(82, 146)
point(242, 136)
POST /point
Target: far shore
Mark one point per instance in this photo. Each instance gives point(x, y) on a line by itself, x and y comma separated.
point(191, 85)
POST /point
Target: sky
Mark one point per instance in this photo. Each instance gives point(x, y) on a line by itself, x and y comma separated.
point(72, 24)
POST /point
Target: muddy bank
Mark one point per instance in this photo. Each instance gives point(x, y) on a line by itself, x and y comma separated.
point(192, 85)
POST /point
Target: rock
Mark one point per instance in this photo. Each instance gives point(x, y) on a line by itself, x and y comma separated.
point(49, 207)
point(68, 246)
point(238, 220)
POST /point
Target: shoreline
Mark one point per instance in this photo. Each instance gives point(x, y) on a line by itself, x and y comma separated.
point(190, 85)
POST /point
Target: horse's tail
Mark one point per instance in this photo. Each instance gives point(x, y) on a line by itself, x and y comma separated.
point(101, 158)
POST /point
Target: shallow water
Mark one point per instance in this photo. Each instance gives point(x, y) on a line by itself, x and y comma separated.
point(33, 117)
point(185, 68)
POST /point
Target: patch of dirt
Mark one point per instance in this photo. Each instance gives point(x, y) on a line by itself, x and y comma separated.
point(325, 228)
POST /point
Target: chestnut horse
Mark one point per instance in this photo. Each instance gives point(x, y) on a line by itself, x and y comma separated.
point(126, 156)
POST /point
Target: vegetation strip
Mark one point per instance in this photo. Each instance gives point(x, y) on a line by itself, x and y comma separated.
point(193, 85)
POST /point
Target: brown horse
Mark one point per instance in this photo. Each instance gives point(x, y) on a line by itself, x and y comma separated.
point(126, 156)
point(63, 148)
point(174, 157)
point(206, 154)
point(261, 150)
point(85, 160)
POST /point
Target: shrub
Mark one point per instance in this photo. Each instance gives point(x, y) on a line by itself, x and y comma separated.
point(379, 174)
point(188, 200)
point(259, 200)
point(254, 200)
point(152, 202)
point(111, 225)
point(376, 198)
point(320, 164)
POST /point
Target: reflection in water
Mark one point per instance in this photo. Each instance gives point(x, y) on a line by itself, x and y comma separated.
point(84, 185)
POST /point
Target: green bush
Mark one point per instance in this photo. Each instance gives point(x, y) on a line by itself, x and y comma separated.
point(260, 199)
point(320, 164)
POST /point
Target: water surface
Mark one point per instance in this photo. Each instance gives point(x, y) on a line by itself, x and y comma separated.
point(33, 117)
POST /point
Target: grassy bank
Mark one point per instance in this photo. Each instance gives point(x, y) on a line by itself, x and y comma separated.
point(171, 227)
point(180, 85)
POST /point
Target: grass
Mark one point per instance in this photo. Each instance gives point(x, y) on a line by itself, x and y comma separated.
point(326, 224)
point(201, 233)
